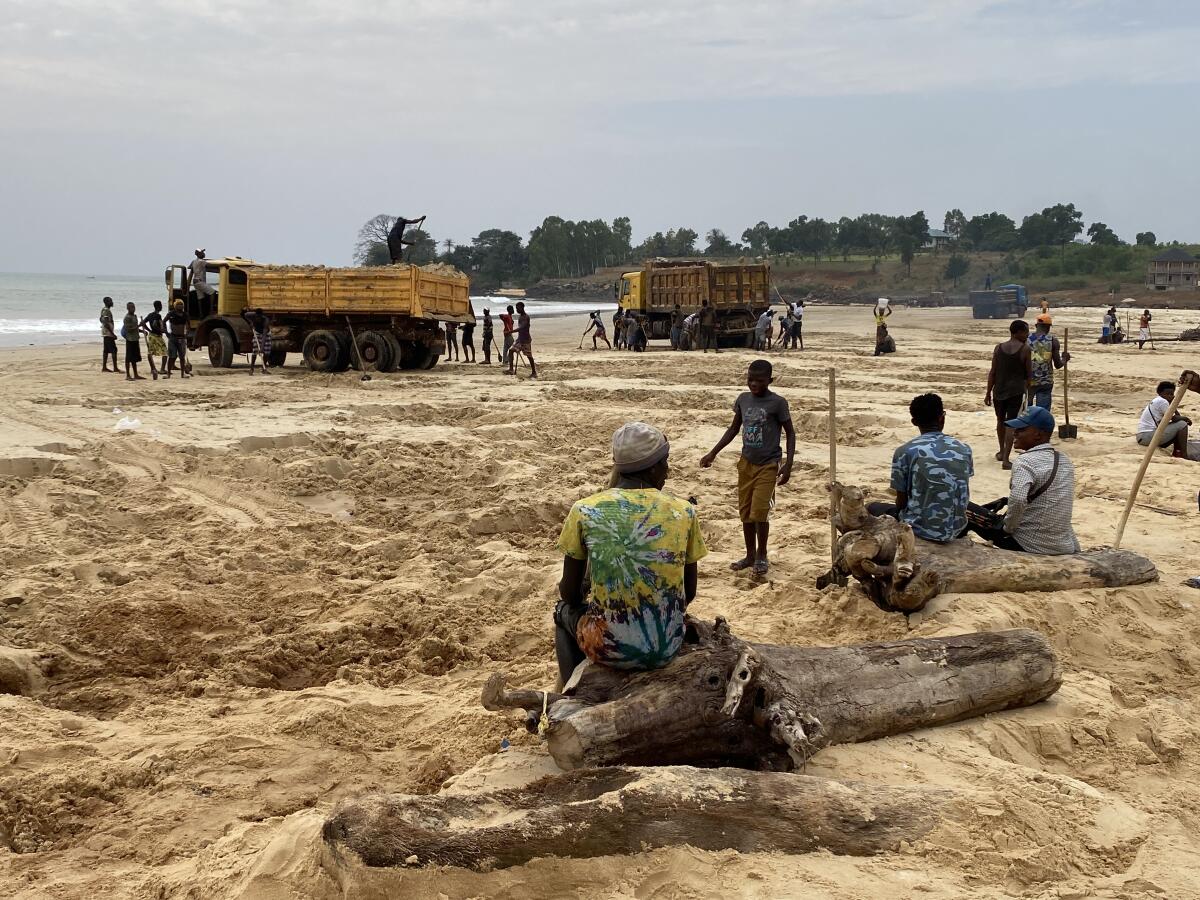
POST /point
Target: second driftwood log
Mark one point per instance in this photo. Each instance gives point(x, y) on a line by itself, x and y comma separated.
point(726, 702)
point(601, 812)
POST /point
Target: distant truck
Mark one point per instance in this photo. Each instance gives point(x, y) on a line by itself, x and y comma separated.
point(738, 293)
point(1006, 301)
point(396, 312)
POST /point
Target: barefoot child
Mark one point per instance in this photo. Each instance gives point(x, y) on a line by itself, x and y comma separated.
point(760, 415)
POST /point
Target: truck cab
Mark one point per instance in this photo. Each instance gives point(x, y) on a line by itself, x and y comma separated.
point(630, 293)
point(222, 313)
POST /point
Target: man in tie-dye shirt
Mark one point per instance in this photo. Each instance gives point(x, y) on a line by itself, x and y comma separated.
point(637, 549)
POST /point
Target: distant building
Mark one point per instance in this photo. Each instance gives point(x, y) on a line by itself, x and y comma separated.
point(1174, 270)
point(937, 239)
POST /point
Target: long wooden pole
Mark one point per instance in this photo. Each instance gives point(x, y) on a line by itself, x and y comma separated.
point(833, 535)
point(1067, 376)
point(1186, 380)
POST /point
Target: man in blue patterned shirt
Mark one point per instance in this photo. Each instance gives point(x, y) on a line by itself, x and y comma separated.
point(930, 475)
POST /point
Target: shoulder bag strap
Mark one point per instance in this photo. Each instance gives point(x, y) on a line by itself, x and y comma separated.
point(1034, 493)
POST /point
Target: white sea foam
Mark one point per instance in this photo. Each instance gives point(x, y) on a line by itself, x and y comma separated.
point(48, 326)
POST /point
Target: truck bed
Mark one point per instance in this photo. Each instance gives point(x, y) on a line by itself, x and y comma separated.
point(375, 291)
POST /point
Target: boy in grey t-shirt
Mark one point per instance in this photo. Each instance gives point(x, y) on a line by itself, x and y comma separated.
point(760, 415)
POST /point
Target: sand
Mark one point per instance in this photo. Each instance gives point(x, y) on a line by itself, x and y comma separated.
point(281, 591)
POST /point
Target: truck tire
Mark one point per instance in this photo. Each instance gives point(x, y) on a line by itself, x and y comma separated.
point(345, 351)
point(432, 360)
point(220, 348)
point(374, 352)
point(416, 355)
point(277, 358)
point(977, 313)
point(322, 351)
point(394, 345)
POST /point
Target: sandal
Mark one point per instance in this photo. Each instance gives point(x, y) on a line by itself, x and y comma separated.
point(741, 564)
point(760, 567)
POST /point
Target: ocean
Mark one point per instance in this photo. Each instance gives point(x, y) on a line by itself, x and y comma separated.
point(60, 309)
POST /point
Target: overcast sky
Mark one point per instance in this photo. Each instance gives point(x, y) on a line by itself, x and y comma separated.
point(133, 131)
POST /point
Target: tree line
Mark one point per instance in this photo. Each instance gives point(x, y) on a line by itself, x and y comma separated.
point(562, 248)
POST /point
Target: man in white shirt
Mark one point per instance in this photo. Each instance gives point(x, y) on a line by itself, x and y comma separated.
point(1041, 494)
point(762, 331)
point(199, 268)
point(1176, 432)
point(798, 324)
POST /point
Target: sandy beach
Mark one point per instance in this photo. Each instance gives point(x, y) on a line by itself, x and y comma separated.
point(277, 592)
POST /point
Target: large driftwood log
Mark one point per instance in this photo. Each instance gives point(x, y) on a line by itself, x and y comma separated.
point(901, 573)
point(599, 812)
point(723, 701)
point(966, 567)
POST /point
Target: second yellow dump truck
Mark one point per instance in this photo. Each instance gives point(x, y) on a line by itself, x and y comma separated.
point(739, 293)
point(395, 312)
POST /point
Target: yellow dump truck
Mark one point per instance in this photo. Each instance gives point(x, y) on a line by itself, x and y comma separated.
point(739, 293)
point(395, 312)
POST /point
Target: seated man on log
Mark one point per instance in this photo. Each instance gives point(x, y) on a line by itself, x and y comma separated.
point(1175, 435)
point(637, 548)
point(930, 475)
point(1041, 494)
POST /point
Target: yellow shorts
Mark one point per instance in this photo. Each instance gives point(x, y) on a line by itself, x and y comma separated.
point(756, 489)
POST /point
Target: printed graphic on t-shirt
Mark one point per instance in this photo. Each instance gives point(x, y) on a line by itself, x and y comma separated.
point(753, 418)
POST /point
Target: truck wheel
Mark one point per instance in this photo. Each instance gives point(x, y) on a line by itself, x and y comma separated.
point(322, 351)
point(394, 345)
point(344, 351)
point(220, 348)
point(432, 360)
point(415, 355)
point(374, 352)
point(277, 358)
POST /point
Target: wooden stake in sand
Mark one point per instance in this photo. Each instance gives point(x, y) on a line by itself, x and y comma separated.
point(1188, 379)
point(833, 534)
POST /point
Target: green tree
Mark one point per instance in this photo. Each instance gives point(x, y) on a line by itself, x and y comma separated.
point(992, 231)
point(756, 238)
point(1058, 224)
point(719, 244)
point(1146, 239)
point(1100, 234)
point(498, 258)
point(956, 267)
point(907, 246)
point(954, 225)
point(622, 246)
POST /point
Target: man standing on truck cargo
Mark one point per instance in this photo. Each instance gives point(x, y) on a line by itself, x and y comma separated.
point(395, 239)
point(199, 268)
point(708, 326)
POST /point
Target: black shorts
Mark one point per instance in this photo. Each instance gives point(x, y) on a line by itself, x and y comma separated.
point(133, 351)
point(110, 345)
point(1008, 408)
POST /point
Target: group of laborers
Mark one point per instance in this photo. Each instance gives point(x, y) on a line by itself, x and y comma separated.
point(166, 340)
point(516, 335)
point(791, 328)
point(630, 552)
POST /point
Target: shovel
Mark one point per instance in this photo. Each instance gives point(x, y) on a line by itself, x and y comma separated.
point(1067, 431)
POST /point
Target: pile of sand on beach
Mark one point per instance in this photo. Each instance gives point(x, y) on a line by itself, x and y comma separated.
point(280, 592)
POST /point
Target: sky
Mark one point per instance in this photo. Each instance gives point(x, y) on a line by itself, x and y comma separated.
point(273, 130)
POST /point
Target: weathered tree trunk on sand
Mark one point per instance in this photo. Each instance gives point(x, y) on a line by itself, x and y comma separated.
point(966, 567)
point(600, 812)
point(723, 701)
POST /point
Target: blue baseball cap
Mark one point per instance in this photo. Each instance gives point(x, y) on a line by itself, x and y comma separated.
point(1033, 417)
